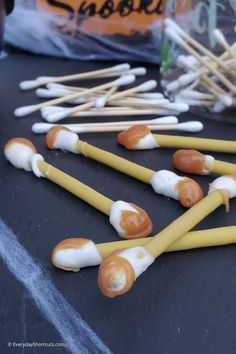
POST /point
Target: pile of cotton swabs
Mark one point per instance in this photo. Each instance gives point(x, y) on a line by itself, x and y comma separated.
point(104, 100)
point(207, 80)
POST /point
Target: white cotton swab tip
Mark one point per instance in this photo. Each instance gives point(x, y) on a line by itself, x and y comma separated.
point(188, 78)
point(125, 80)
point(23, 111)
point(218, 35)
point(172, 86)
point(41, 128)
point(138, 71)
point(165, 120)
point(56, 116)
point(171, 34)
point(177, 106)
point(169, 23)
point(28, 85)
point(100, 102)
point(147, 86)
point(225, 100)
point(120, 67)
point(192, 126)
point(43, 79)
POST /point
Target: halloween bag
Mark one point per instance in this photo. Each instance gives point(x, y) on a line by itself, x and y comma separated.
point(88, 29)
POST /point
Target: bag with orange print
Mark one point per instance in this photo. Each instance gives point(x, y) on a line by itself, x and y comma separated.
point(88, 29)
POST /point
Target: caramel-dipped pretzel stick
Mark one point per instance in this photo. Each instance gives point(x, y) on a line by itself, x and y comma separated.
point(118, 271)
point(129, 220)
point(140, 137)
point(42, 80)
point(123, 80)
point(72, 254)
point(113, 127)
point(192, 161)
point(164, 182)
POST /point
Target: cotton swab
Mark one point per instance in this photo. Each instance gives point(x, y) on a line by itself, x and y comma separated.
point(29, 84)
point(129, 220)
point(124, 80)
point(187, 127)
point(40, 128)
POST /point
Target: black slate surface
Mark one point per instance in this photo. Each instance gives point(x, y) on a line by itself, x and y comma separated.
point(185, 302)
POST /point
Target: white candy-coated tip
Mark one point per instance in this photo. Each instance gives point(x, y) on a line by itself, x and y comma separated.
point(146, 86)
point(138, 71)
point(125, 80)
point(225, 100)
point(120, 67)
point(28, 84)
point(166, 120)
point(23, 111)
point(192, 126)
point(171, 34)
point(101, 102)
point(45, 79)
point(41, 128)
point(219, 36)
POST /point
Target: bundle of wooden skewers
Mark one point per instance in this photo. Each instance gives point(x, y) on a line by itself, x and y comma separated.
point(204, 79)
point(106, 99)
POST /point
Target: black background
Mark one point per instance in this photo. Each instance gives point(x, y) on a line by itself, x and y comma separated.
point(184, 303)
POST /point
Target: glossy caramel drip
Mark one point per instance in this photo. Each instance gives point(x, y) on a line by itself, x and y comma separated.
point(52, 135)
point(189, 161)
point(136, 225)
point(189, 192)
point(21, 141)
point(112, 272)
point(130, 137)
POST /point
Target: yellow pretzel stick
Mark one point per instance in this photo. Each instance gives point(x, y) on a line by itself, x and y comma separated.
point(129, 220)
point(72, 185)
point(86, 253)
point(192, 161)
point(118, 272)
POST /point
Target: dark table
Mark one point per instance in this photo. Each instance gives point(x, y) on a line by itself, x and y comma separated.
point(185, 302)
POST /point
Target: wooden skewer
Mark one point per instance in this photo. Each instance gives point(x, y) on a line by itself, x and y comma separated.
point(187, 191)
point(132, 138)
point(129, 220)
point(118, 272)
point(96, 252)
point(192, 161)
point(19, 112)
